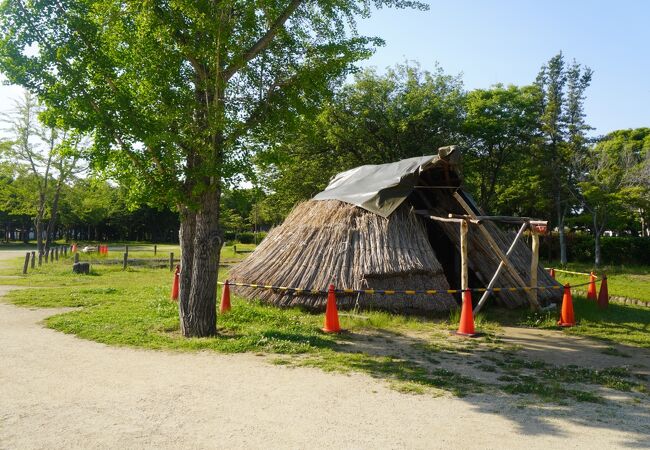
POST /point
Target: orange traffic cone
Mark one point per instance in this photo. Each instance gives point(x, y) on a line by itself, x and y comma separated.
point(552, 273)
point(225, 298)
point(591, 290)
point(175, 283)
point(331, 324)
point(603, 295)
point(466, 324)
point(567, 318)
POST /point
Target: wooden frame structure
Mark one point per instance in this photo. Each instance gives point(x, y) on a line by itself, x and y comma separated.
point(535, 226)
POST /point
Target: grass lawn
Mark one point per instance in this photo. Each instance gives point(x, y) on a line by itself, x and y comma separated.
point(132, 308)
point(623, 281)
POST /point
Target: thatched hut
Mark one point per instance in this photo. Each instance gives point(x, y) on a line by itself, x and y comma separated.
point(364, 232)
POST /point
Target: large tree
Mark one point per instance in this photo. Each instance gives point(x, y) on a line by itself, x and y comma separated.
point(175, 90)
point(564, 131)
point(500, 128)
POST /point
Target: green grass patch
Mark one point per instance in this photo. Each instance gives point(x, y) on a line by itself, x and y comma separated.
point(623, 281)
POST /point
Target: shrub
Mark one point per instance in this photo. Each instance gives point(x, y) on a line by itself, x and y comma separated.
point(614, 250)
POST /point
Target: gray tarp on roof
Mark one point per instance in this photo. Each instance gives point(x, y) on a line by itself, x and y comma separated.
point(381, 188)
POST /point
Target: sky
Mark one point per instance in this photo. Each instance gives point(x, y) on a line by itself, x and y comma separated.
point(500, 41)
point(507, 41)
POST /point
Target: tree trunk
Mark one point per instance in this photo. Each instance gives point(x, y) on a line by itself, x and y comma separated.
point(201, 242)
point(597, 255)
point(560, 227)
point(51, 226)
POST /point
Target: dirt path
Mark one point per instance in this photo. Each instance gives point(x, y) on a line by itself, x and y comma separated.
point(57, 391)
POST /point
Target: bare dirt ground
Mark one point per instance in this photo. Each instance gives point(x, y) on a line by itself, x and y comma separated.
point(58, 391)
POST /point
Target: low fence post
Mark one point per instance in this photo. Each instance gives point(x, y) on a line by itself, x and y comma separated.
point(171, 261)
point(26, 263)
point(65, 251)
point(56, 253)
point(33, 260)
point(155, 250)
point(47, 255)
point(126, 250)
point(40, 259)
point(76, 257)
point(125, 260)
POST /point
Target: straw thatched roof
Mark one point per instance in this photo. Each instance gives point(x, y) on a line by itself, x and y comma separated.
point(362, 232)
point(323, 242)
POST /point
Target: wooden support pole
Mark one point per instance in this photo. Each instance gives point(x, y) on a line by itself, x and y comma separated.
point(464, 275)
point(76, 257)
point(155, 250)
point(125, 260)
point(171, 261)
point(56, 253)
point(33, 260)
point(126, 250)
point(40, 259)
point(26, 265)
point(534, 262)
point(486, 294)
point(534, 304)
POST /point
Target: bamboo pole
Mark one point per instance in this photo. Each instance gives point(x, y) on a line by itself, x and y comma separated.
point(464, 275)
point(534, 304)
point(486, 294)
point(534, 262)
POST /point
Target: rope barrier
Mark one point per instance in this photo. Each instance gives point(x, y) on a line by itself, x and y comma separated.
point(568, 271)
point(390, 291)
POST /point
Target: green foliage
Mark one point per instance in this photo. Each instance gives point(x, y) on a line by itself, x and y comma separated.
point(379, 118)
point(175, 92)
point(615, 249)
point(500, 128)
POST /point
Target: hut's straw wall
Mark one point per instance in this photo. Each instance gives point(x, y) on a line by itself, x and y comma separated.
point(323, 242)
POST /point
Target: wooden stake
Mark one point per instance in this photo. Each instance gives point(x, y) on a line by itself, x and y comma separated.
point(33, 260)
point(155, 250)
point(125, 260)
point(171, 261)
point(40, 259)
point(76, 257)
point(26, 263)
